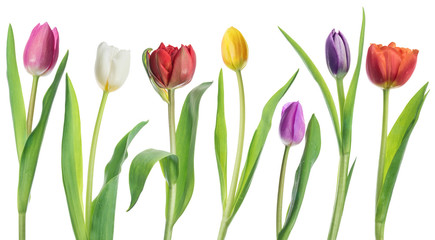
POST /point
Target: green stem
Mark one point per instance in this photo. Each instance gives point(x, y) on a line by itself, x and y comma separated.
point(281, 191)
point(379, 226)
point(92, 160)
point(32, 105)
point(341, 97)
point(226, 217)
point(383, 144)
point(340, 197)
point(172, 193)
point(22, 226)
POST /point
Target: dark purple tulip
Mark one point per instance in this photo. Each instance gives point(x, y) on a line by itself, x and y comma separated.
point(292, 125)
point(337, 54)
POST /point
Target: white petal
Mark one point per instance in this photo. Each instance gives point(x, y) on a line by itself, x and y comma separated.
point(119, 70)
point(105, 54)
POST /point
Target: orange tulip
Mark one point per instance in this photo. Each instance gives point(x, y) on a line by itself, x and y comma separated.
point(390, 66)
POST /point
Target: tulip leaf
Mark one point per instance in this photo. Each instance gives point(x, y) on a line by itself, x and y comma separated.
point(185, 138)
point(141, 166)
point(350, 97)
point(15, 95)
point(103, 206)
point(257, 144)
point(311, 152)
point(72, 162)
point(220, 141)
point(161, 91)
point(349, 176)
point(29, 158)
point(397, 141)
point(320, 81)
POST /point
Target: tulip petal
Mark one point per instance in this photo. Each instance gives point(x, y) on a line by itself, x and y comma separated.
point(406, 68)
point(161, 67)
point(331, 54)
point(119, 70)
point(55, 51)
point(182, 70)
point(38, 53)
point(105, 54)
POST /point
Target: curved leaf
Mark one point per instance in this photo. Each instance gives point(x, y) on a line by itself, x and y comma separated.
point(351, 94)
point(257, 144)
point(72, 162)
point(31, 150)
point(15, 95)
point(396, 145)
point(320, 81)
point(141, 166)
point(220, 140)
point(311, 152)
point(103, 206)
point(185, 138)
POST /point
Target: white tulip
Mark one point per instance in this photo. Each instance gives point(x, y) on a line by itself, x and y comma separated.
point(111, 67)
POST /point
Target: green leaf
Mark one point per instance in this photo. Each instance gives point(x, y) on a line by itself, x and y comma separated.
point(349, 176)
point(311, 152)
point(220, 141)
point(72, 162)
point(320, 81)
point(396, 145)
point(350, 98)
point(161, 91)
point(257, 144)
point(31, 150)
point(185, 138)
point(103, 206)
point(15, 95)
point(141, 166)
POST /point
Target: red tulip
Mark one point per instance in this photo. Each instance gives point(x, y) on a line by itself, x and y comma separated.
point(390, 66)
point(172, 67)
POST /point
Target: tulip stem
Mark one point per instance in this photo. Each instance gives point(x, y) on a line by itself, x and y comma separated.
point(341, 97)
point(172, 191)
point(379, 226)
point(22, 226)
point(226, 217)
point(281, 191)
point(92, 161)
point(32, 105)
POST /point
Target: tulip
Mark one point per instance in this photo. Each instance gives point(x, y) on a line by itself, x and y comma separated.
point(390, 66)
point(171, 67)
point(337, 54)
point(111, 67)
point(42, 50)
point(292, 125)
point(234, 49)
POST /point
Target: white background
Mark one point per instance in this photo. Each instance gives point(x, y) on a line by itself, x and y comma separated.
point(138, 25)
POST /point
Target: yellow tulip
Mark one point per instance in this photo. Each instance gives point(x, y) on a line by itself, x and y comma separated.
point(234, 49)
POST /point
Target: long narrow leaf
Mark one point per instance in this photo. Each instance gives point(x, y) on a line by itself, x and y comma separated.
point(103, 206)
point(31, 150)
point(220, 140)
point(185, 146)
point(320, 81)
point(141, 166)
point(396, 145)
point(257, 144)
point(311, 152)
point(72, 162)
point(351, 94)
point(15, 95)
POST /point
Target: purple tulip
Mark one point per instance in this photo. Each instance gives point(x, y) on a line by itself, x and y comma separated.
point(292, 125)
point(337, 54)
point(42, 50)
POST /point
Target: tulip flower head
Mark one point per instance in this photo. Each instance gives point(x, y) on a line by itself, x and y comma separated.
point(390, 66)
point(234, 49)
point(42, 50)
point(172, 67)
point(337, 54)
point(111, 67)
point(292, 125)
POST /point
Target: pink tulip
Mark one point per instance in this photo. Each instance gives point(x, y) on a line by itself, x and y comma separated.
point(42, 50)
